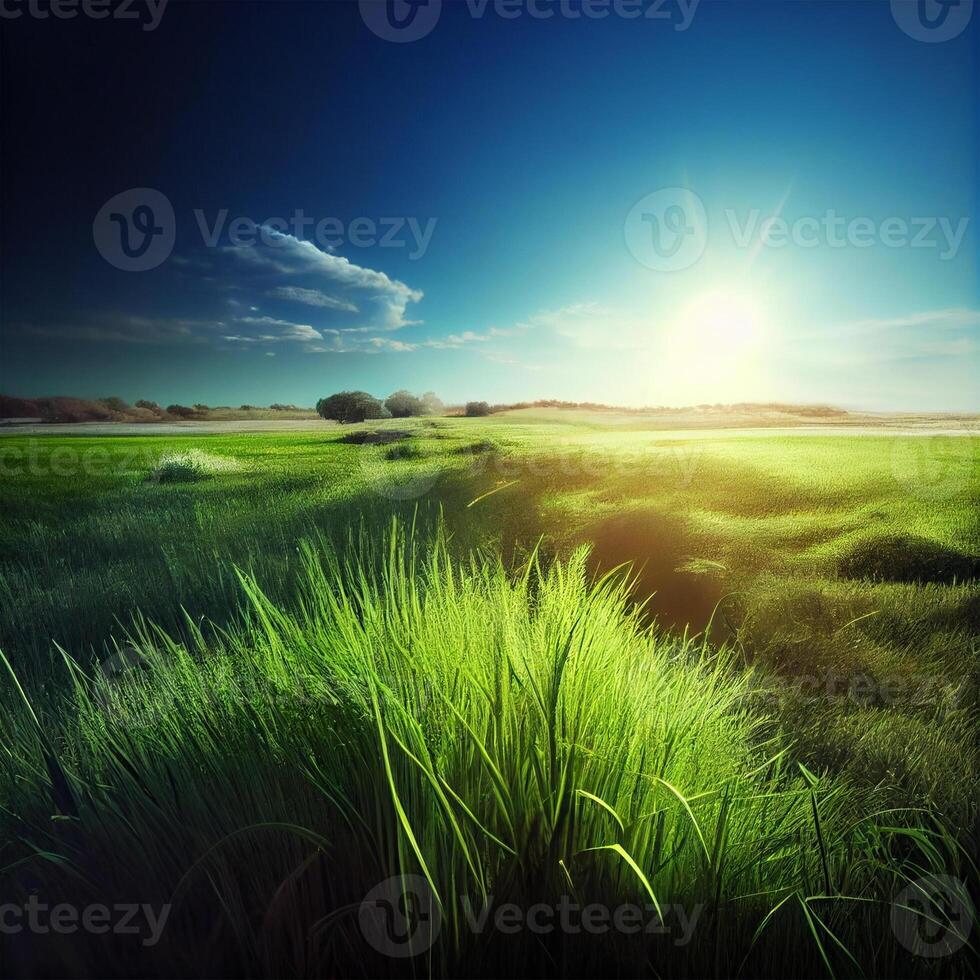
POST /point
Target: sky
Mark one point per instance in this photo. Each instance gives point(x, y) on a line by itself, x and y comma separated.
point(664, 202)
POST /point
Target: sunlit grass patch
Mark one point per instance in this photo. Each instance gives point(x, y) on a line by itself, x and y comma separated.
point(190, 465)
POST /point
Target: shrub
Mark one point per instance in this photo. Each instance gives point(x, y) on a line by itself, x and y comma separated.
point(181, 411)
point(403, 404)
point(74, 410)
point(19, 408)
point(201, 408)
point(477, 409)
point(115, 404)
point(149, 406)
point(351, 406)
point(432, 404)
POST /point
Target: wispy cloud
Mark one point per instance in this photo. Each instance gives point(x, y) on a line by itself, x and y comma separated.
point(126, 329)
point(312, 297)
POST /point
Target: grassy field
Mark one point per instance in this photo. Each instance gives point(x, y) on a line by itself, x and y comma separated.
point(254, 676)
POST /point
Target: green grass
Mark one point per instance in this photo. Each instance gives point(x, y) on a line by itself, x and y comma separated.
point(324, 701)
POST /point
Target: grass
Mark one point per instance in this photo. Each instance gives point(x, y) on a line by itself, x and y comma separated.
point(463, 697)
point(188, 466)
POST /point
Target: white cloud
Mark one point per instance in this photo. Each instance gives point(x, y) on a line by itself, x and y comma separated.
point(285, 255)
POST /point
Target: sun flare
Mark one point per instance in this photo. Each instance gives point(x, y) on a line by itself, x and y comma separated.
point(716, 343)
point(720, 322)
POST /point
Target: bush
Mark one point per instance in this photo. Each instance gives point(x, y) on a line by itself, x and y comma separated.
point(181, 411)
point(19, 408)
point(432, 404)
point(115, 404)
point(201, 408)
point(149, 406)
point(351, 406)
point(477, 409)
point(403, 404)
point(74, 410)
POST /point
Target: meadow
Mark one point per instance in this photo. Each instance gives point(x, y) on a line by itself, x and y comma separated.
point(728, 679)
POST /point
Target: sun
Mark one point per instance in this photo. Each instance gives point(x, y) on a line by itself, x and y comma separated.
point(714, 349)
point(720, 322)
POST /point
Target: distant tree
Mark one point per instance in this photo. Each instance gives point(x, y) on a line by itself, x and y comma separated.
point(351, 406)
point(403, 404)
point(149, 406)
point(115, 404)
point(477, 409)
point(201, 408)
point(247, 408)
point(181, 411)
point(432, 404)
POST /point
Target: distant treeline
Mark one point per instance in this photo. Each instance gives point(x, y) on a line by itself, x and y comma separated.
point(814, 411)
point(400, 404)
point(113, 409)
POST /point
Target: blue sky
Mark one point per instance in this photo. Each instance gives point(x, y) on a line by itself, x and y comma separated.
point(505, 162)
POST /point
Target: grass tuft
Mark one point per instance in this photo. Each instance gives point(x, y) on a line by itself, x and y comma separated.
point(190, 465)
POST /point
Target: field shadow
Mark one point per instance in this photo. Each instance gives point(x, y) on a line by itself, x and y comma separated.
point(657, 547)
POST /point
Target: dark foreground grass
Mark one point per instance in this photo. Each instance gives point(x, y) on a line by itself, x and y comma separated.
point(481, 737)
